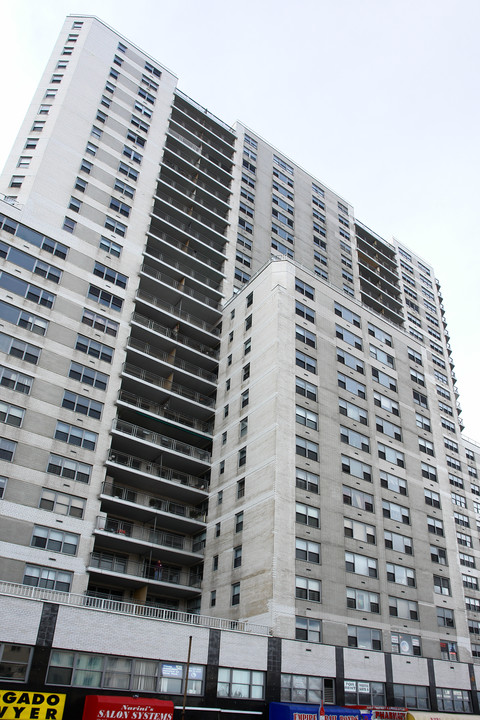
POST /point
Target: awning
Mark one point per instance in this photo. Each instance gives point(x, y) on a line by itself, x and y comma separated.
point(113, 707)
point(430, 715)
point(292, 711)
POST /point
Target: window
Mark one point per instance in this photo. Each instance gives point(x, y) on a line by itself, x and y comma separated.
point(45, 577)
point(235, 597)
point(445, 617)
point(392, 482)
point(461, 519)
point(305, 336)
point(306, 389)
point(74, 435)
point(441, 585)
point(14, 662)
point(438, 555)
point(304, 289)
point(244, 398)
point(350, 361)
point(403, 644)
point(363, 600)
point(435, 526)
point(306, 448)
point(82, 405)
point(384, 379)
point(14, 380)
point(111, 247)
point(115, 226)
point(391, 455)
point(74, 204)
point(38, 125)
point(307, 515)
point(450, 444)
point(17, 181)
point(94, 348)
point(305, 361)
point(308, 629)
point(397, 542)
point(466, 560)
point(388, 428)
point(382, 356)
point(432, 498)
point(464, 539)
point(352, 386)
point(454, 463)
point(429, 472)
point(364, 693)
point(243, 426)
point(105, 298)
point(357, 499)
point(396, 512)
point(379, 334)
point(28, 290)
point(386, 403)
point(423, 422)
point(458, 500)
point(101, 324)
point(306, 417)
point(400, 574)
point(470, 582)
point(356, 468)
point(240, 684)
point(11, 414)
point(110, 275)
point(304, 311)
point(355, 439)
point(412, 696)
point(361, 565)
point(19, 349)
point(63, 504)
point(7, 449)
point(307, 550)
point(239, 522)
point(308, 589)
point(240, 488)
point(450, 700)
point(406, 609)
point(348, 337)
point(54, 540)
point(364, 638)
point(70, 469)
point(69, 225)
point(359, 531)
point(306, 480)
point(353, 411)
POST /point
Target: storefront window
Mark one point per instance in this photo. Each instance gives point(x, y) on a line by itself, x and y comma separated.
point(307, 688)
point(244, 684)
point(14, 661)
point(364, 693)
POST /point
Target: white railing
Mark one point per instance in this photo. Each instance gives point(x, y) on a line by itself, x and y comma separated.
point(88, 602)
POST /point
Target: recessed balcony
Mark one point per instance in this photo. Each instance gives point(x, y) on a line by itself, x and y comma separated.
point(123, 572)
point(174, 311)
point(209, 379)
point(163, 220)
point(184, 422)
point(155, 445)
point(150, 477)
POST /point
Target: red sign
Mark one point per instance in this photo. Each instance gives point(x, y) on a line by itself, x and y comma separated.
point(111, 707)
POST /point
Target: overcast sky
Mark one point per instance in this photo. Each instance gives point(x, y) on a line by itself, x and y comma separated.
point(379, 99)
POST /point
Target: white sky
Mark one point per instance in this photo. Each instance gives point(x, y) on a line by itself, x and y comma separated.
point(377, 98)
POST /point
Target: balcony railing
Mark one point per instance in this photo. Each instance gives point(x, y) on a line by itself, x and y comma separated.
point(184, 247)
point(138, 498)
point(170, 359)
point(191, 212)
point(157, 471)
point(162, 441)
point(181, 287)
point(142, 403)
point(144, 569)
point(182, 390)
point(194, 194)
point(195, 179)
point(206, 142)
point(183, 152)
point(176, 312)
point(178, 337)
point(88, 602)
point(144, 534)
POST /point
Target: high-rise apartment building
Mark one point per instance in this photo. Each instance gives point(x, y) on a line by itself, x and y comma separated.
point(228, 412)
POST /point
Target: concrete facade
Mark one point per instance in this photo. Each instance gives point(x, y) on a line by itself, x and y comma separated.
point(228, 411)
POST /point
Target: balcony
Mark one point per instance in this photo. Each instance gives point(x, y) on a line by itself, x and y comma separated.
point(135, 401)
point(189, 254)
point(123, 572)
point(176, 312)
point(181, 287)
point(155, 445)
point(195, 162)
point(213, 245)
point(150, 477)
point(170, 359)
point(182, 171)
point(204, 117)
point(128, 537)
point(206, 353)
point(181, 395)
point(183, 187)
point(190, 211)
point(142, 507)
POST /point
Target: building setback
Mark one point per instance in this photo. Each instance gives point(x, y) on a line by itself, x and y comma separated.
point(229, 413)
